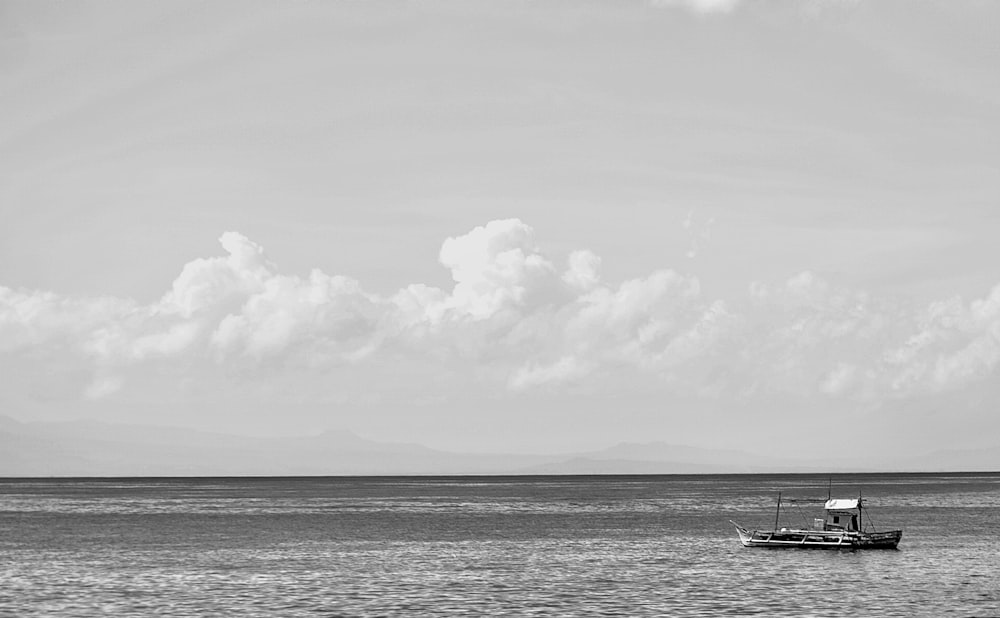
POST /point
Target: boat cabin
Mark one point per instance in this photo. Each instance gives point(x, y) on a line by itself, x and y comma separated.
point(842, 514)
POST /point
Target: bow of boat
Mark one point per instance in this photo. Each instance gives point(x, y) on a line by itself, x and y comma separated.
point(744, 534)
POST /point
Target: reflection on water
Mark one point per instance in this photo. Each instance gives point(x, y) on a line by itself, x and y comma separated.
point(655, 545)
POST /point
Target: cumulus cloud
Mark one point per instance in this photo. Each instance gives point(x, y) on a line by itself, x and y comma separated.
point(584, 270)
point(634, 322)
point(702, 337)
point(37, 321)
point(514, 319)
point(857, 346)
point(495, 266)
point(214, 283)
point(951, 344)
point(291, 311)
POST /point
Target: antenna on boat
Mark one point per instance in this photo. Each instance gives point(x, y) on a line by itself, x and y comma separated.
point(829, 488)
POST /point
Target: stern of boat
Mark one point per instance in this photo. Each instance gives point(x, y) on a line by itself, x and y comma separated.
point(879, 540)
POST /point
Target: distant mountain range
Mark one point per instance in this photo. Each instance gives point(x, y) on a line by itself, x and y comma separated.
point(91, 448)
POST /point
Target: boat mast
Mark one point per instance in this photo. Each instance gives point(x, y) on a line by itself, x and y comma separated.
point(777, 511)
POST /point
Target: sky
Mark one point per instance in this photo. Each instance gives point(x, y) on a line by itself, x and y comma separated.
point(532, 226)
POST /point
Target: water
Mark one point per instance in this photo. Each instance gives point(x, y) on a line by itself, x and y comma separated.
point(552, 546)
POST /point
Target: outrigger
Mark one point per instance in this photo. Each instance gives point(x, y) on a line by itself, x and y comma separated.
point(840, 529)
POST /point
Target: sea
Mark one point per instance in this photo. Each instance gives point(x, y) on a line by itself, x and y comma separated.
point(490, 546)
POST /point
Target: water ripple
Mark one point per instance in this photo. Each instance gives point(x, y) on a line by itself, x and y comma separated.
point(647, 546)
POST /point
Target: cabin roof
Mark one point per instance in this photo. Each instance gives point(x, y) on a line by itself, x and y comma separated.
point(841, 504)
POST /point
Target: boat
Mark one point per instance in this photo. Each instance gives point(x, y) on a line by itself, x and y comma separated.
point(841, 528)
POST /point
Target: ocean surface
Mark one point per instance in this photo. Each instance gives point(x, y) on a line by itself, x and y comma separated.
point(516, 546)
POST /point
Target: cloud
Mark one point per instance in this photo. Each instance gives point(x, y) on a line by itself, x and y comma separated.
point(511, 320)
point(534, 374)
point(584, 270)
point(102, 387)
point(702, 337)
point(215, 283)
point(634, 321)
point(495, 266)
point(696, 239)
point(175, 340)
point(839, 379)
point(287, 312)
point(699, 6)
point(952, 344)
point(860, 347)
point(976, 360)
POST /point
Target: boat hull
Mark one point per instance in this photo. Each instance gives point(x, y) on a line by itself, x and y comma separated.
point(818, 539)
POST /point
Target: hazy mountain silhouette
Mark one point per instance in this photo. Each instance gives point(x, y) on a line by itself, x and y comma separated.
point(91, 448)
point(663, 458)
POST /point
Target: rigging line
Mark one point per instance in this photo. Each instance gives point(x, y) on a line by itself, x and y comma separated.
point(870, 520)
point(798, 510)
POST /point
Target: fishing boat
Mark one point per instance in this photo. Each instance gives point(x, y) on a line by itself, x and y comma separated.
point(841, 528)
